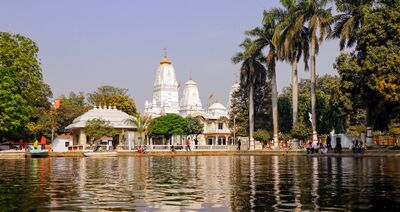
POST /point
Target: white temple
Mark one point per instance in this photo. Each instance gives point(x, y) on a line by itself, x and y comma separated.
point(165, 91)
point(166, 99)
point(166, 96)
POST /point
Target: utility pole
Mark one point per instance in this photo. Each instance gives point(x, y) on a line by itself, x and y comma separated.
point(234, 129)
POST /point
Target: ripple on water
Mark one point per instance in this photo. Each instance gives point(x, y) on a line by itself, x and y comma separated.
point(223, 183)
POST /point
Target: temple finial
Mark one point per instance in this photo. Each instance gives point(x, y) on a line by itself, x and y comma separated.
point(165, 52)
point(190, 76)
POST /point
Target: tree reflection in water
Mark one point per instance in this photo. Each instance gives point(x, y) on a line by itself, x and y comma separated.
point(225, 183)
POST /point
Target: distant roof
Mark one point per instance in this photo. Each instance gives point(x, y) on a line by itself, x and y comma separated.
point(115, 117)
point(217, 106)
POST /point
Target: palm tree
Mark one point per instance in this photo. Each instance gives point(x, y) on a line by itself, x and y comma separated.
point(349, 20)
point(141, 123)
point(252, 71)
point(346, 23)
point(263, 39)
point(318, 19)
point(291, 40)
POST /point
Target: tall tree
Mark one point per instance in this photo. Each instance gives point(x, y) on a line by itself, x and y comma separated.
point(292, 41)
point(19, 55)
point(318, 19)
point(262, 109)
point(350, 20)
point(252, 71)
point(263, 40)
point(371, 72)
point(14, 109)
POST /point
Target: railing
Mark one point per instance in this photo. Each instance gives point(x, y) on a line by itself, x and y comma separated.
point(192, 147)
point(156, 147)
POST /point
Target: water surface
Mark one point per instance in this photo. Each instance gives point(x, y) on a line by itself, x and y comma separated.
point(219, 183)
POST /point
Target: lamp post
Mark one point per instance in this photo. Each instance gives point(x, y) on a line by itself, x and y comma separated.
point(234, 129)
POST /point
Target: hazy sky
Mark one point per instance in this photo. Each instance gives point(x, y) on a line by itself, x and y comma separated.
point(86, 44)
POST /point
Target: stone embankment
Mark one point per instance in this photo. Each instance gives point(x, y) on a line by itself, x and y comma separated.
point(345, 153)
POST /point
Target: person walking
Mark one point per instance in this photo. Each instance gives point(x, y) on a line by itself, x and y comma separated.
point(188, 145)
point(196, 142)
point(239, 143)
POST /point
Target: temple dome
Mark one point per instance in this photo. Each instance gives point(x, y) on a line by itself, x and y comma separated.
point(190, 98)
point(217, 110)
point(217, 106)
point(115, 117)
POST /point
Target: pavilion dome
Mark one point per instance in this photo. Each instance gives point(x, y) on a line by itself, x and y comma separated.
point(115, 117)
point(190, 98)
point(217, 106)
point(217, 110)
point(165, 75)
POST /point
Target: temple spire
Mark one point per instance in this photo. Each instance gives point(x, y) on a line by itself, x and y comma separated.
point(165, 52)
point(165, 60)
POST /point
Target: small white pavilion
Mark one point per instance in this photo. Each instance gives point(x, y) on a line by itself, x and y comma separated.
point(125, 138)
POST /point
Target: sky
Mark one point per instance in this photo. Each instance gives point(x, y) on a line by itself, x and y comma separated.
point(87, 44)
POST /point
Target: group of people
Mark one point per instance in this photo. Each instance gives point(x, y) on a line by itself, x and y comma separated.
point(187, 145)
point(358, 146)
point(317, 147)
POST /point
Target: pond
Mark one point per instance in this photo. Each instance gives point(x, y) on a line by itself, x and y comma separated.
point(219, 183)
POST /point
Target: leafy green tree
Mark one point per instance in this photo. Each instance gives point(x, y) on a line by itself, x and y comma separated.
point(370, 73)
point(167, 126)
point(14, 109)
point(19, 58)
point(318, 19)
point(97, 128)
point(262, 135)
point(21, 54)
point(194, 126)
point(333, 107)
point(113, 96)
point(71, 107)
point(264, 40)
point(301, 131)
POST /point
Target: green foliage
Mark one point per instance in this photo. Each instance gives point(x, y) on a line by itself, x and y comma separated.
point(356, 130)
point(14, 109)
point(141, 123)
point(97, 128)
point(70, 108)
point(113, 96)
point(370, 74)
point(333, 107)
point(194, 125)
point(168, 125)
point(301, 131)
point(24, 97)
point(285, 113)
point(394, 127)
point(262, 135)
point(262, 109)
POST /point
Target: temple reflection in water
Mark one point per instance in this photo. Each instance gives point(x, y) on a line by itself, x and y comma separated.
point(201, 183)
